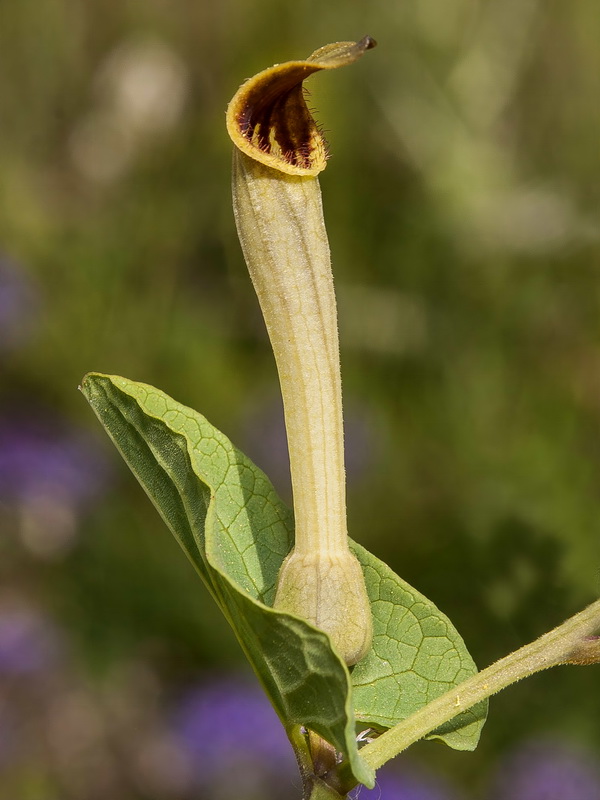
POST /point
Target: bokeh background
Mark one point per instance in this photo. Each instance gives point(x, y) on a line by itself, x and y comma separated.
point(462, 200)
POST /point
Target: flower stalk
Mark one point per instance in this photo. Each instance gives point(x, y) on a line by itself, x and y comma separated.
point(279, 217)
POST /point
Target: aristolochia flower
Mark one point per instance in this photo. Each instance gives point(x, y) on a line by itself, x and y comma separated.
point(278, 153)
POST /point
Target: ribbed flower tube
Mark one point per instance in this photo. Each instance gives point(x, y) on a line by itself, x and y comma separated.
point(279, 216)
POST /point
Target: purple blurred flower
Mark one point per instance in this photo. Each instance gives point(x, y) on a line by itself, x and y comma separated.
point(548, 771)
point(410, 785)
point(17, 306)
point(29, 643)
point(229, 730)
point(232, 735)
point(41, 458)
point(48, 474)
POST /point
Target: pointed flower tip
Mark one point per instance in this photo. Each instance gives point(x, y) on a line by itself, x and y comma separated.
point(268, 119)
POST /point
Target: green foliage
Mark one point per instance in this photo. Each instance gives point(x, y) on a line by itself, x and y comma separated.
point(462, 207)
point(227, 518)
point(417, 654)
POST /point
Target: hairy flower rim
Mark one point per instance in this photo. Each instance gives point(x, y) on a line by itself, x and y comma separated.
point(268, 119)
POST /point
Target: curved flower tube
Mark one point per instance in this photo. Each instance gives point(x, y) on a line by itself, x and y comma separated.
point(278, 152)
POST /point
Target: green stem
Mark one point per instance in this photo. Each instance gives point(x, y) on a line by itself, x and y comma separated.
point(315, 757)
point(569, 643)
point(321, 791)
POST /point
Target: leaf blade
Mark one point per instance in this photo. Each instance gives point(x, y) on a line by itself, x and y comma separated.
point(417, 655)
point(306, 681)
point(228, 519)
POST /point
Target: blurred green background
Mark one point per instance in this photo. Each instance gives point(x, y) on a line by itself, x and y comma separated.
point(462, 202)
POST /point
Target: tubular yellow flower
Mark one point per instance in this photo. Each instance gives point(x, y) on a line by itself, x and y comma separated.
point(277, 205)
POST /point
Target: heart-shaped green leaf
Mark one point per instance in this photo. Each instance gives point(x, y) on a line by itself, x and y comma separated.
point(228, 519)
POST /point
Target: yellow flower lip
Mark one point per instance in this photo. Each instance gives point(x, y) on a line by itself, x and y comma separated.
point(268, 119)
